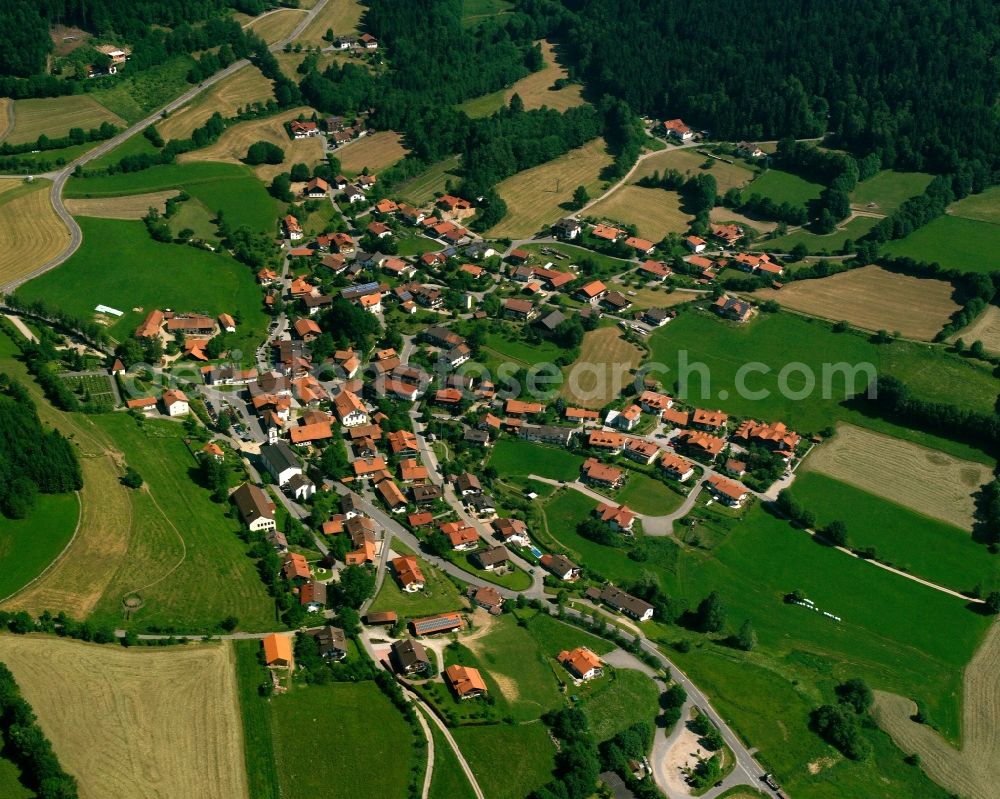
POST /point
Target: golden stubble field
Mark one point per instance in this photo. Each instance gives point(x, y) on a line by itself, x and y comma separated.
point(375, 151)
point(273, 26)
point(925, 480)
point(689, 163)
point(595, 378)
point(536, 89)
point(654, 212)
point(233, 144)
point(138, 723)
point(227, 96)
point(973, 771)
point(985, 328)
point(54, 116)
point(872, 298)
point(30, 231)
point(340, 16)
point(534, 196)
point(131, 206)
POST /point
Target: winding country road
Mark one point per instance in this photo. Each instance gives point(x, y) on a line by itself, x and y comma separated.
point(60, 177)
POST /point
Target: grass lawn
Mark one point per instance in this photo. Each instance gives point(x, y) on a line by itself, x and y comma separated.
point(158, 276)
point(775, 340)
point(518, 669)
point(759, 698)
point(830, 242)
point(567, 509)
point(891, 628)
point(517, 457)
point(332, 721)
point(953, 242)
point(183, 542)
point(513, 578)
point(194, 215)
point(927, 547)
point(416, 245)
point(984, 206)
point(422, 188)
point(888, 190)
point(439, 595)
point(258, 742)
point(28, 545)
point(627, 697)
point(231, 188)
point(512, 349)
point(554, 635)
point(783, 187)
point(448, 780)
point(575, 255)
point(526, 763)
point(647, 495)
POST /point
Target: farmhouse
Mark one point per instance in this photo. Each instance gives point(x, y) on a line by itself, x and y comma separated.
point(280, 462)
point(606, 232)
point(726, 491)
point(255, 507)
point(592, 291)
point(582, 663)
point(303, 130)
point(455, 208)
point(515, 407)
point(601, 474)
point(465, 681)
point(728, 234)
point(316, 188)
point(632, 606)
point(305, 434)
point(488, 598)
point(175, 402)
point(492, 559)
point(407, 571)
point(676, 467)
point(277, 651)
point(567, 229)
point(387, 617)
point(620, 518)
point(560, 566)
point(431, 625)
point(678, 130)
point(408, 656)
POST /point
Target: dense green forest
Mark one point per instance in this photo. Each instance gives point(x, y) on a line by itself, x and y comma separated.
point(32, 459)
point(914, 80)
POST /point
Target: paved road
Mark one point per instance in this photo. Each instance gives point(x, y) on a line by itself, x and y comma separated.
point(59, 178)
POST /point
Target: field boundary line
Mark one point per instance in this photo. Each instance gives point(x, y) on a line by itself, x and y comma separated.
point(57, 558)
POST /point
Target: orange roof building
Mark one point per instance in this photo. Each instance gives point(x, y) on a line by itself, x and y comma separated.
point(407, 571)
point(465, 681)
point(581, 662)
point(278, 651)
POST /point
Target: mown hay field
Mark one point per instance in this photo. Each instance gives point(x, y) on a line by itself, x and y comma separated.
point(888, 190)
point(974, 770)
point(232, 145)
point(135, 722)
point(133, 206)
point(535, 90)
point(968, 245)
point(872, 298)
point(340, 16)
point(375, 151)
point(6, 123)
point(227, 97)
point(654, 212)
point(54, 116)
point(276, 25)
point(985, 328)
point(984, 207)
point(30, 231)
point(723, 216)
point(422, 188)
point(925, 480)
point(535, 197)
point(654, 297)
point(597, 376)
point(690, 163)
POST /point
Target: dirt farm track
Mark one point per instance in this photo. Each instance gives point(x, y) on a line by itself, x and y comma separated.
point(136, 723)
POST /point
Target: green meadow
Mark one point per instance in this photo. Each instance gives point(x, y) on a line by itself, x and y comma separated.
point(28, 546)
point(783, 187)
point(517, 457)
point(968, 245)
point(888, 190)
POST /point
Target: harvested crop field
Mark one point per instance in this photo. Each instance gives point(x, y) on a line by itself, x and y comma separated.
point(654, 212)
point(375, 151)
point(974, 770)
point(655, 297)
point(535, 196)
point(136, 722)
point(689, 163)
point(276, 25)
point(604, 365)
point(341, 16)
point(985, 328)
point(872, 298)
point(30, 231)
point(54, 116)
point(227, 97)
point(134, 206)
point(924, 480)
point(536, 89)
point(233, 144)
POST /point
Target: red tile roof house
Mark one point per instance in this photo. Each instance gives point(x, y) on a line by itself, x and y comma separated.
point(620, 518)
point(603, 439)
point(734, 309)
point(708, 420)
point(593, 471)
point(592, 291)
point(726, 491)
point(775, 437)
point(606, 232)
point(303, 130)
point(677, 129)
point(676, 467)
point(407, 571)
point(641, 246)
point(512, 531)
point(730, 234)
point(701, 443)
point(582, 663)
point(316, 188)
point(465, 681)
point(518, 309)
point(655, 269)
point(462, 538)
point(641, 451)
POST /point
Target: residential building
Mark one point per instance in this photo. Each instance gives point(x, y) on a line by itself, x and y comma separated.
point(641, 451)
point(708, 420)
point(312, 596)
point(734, 309)
point(676, 467)
point(492, 559)
point(295, 568)
point(465, 681)
point(332, 642)
point(695, 244)
point(775, 437)
point(703, 444)
point(175, 402)
point(432, 625)
point(621, 518)
point(581, 663)
point(349, 409)
point(546, 433)
point(486, 597)
point(391, 496)
point(512, 531)
point(675, 128)
point(280, 462)
point(408, 572)
point(277, 651)
point(638, 609)
point(255, 507)
point(592, 291)
point(560, 566)
point(408, 656)
point(462, 538)
point(726, 491)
